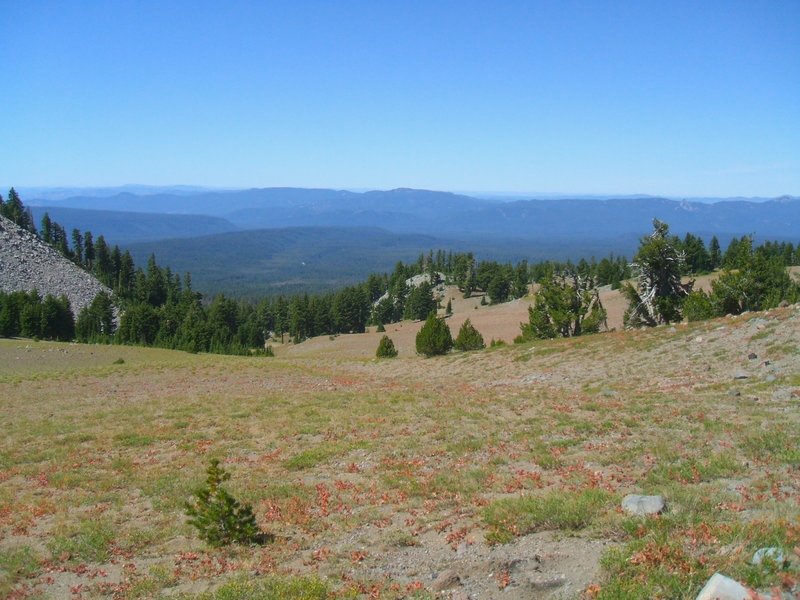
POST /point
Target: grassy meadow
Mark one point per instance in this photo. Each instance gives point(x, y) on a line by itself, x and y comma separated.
point(505, 466)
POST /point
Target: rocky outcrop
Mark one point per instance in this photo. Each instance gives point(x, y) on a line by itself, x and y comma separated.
point(27, 263)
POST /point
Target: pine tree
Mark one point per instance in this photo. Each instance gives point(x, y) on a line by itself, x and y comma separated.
point(714, 254)
point(218, 517)
point(567, 304)
point(386, 348)
point(47, 231)
point(658, 264)
point(469, 338)
point(434, 337)
point(77, 246)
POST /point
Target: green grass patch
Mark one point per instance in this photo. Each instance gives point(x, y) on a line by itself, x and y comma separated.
point(779, 444)
point(133, 439)
point(270, 588)
point(695, 470)
point(16, 564)
point(88, 541)
point(569, 511)
point(315, 456)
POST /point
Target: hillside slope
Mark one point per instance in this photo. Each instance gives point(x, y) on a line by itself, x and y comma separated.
point(495, 474)
point(27, 263)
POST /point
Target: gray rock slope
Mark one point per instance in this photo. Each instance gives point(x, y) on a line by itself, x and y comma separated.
point(27, 263)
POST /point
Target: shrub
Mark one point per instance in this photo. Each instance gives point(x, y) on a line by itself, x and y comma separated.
point(434, 338)
point(469, 338)
point(386, 348)
point(218, 517)
point(698, 306)
point(381, 328)
point(567, 304)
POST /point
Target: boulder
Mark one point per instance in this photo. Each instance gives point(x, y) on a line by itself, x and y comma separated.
point(643, 505)
point(720, 587)
point(773, 554)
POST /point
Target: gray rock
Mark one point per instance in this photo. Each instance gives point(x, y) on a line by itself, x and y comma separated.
point(720, 587)
point(773, 553)
point(734, 393)
point(547, 583)
point(741, 375)
point(770, 378)
point(643, 505)
point(752, 356)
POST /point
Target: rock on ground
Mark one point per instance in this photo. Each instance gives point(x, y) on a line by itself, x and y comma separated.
point(643, 505)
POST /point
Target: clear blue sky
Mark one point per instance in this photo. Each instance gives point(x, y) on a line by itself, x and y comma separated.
point(669, 97)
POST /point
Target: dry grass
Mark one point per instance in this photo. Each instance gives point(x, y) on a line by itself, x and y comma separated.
point(374, 475)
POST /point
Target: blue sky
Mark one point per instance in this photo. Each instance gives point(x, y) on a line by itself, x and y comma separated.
point(673, 98)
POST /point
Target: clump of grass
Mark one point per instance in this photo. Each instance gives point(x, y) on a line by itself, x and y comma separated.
point(695, 470)
point(401, 539)
point(16, 564)
point(133, 439)
point(312, 457)
point(119, 361)
point(270, 588)
point(650, 568)
point(778, 444)
point(89, 541)
point(568, 511)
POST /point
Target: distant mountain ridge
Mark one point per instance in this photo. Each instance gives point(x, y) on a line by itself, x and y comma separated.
point(443, 213)
point(118, 227)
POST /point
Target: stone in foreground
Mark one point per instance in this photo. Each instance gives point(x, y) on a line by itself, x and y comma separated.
point(643, 505)
point(720, 587)
point(774, 554)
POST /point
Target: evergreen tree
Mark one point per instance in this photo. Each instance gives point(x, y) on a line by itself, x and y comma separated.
point(47, 231)
point(469, 338)
point(30, 319)
point(219, 518)
point(15, 211)
point(420, 302)
point(658, 264)
point(386, 348)
point(102, 264)
point(57, 322)
point(714, 254)
point(521, 280)
point(567, 304)
point(88, 250)
point(77, 246)
point(760, 284)
point(96, 321)
point(434, 337)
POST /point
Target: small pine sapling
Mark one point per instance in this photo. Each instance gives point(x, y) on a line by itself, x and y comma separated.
point(469, 338)
point(386, 348)
point(218, 517)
